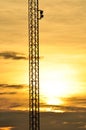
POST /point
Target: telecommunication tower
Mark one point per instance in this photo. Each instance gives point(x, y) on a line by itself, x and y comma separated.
point(34, 15)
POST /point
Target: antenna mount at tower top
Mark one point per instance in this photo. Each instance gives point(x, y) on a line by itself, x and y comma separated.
point(41, 14)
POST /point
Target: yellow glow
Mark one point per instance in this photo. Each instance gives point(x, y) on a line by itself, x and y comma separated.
point(5, 128)
point(58, 111)
point(54, 101)
point(60, 82)
point(50, 109)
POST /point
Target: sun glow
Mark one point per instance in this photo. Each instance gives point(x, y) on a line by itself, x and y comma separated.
point(54, 101)
point(57, 83)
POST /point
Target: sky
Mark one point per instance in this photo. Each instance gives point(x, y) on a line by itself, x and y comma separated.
point(62, 62)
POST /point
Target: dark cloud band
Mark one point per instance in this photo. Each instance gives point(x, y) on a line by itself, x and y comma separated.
point(13, 56)
point(12, 86)
point(7, 93)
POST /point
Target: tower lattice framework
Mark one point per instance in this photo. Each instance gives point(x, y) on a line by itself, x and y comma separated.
point(34, 116)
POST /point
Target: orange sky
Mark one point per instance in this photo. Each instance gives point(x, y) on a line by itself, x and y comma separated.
point(62, 48)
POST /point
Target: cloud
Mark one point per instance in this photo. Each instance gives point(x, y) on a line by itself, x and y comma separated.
point(63, 121)
point(19, 120)
point(67, 20)
point(7, 93)
point(13, 56)
point(13, 101)
point(15, 104)
point(12, 86)
point(13, 97)
point(64, 108)
point(76, 101)
point(71, 104)
point(66, 11)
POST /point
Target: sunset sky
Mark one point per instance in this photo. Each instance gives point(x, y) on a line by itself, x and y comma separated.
point(62, 57)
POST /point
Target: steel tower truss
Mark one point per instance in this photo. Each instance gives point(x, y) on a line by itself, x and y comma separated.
point(34, 117)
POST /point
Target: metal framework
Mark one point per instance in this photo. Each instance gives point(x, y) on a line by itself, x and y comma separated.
point(34, 114)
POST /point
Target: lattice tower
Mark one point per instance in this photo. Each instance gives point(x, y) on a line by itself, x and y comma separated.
point(33, 15)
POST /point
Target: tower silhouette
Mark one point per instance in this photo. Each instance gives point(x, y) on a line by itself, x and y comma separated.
point(34, 15)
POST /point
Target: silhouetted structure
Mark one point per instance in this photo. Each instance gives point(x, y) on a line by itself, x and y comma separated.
point(34, 16)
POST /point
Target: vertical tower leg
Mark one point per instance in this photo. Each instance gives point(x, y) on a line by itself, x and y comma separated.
point(34, 122)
